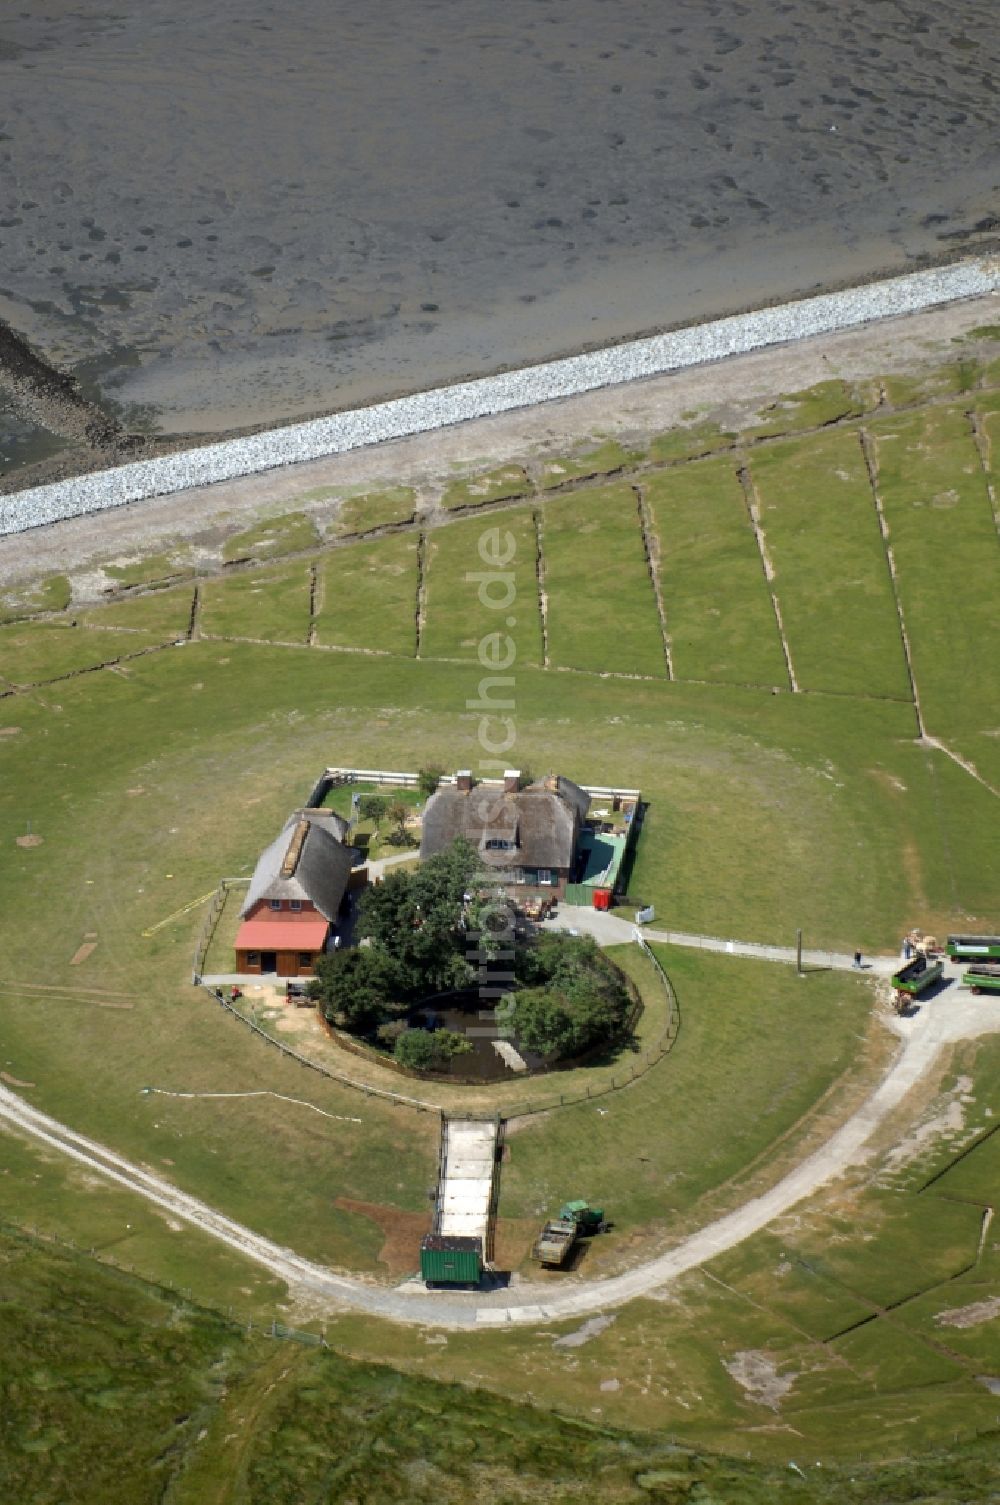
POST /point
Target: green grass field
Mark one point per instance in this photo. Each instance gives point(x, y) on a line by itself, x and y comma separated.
point(34, 652)
point(146, 780)
point(943, 535)
point(586, 464)
point(368, 596)
point(457, 620)
point(487, 486)
point(601, 606)
point(756, 1049)
point(831, 575)
point(271, 606)
point(716, 601)
point(293, 533)
point(816, 407)
point(128, 1394)
point(375, 509)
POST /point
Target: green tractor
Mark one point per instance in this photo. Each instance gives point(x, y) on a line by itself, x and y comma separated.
point(587, 1219)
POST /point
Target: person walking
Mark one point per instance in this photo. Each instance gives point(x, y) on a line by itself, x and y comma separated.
point(857, 961)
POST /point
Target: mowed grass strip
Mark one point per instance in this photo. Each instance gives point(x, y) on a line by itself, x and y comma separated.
point(943, 536)
point(831, 574)
point(269, 607)
point(457, 618)
point(35, 652)
point(368, 596)
point(716, 601)
point(601, 607)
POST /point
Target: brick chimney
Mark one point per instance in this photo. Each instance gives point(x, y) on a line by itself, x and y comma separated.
point(463, 780)
point(511, 780)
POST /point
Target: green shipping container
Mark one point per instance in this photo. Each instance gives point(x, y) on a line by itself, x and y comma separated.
point(451, 1260)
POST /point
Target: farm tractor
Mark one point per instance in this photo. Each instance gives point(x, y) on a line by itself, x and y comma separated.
point(576, 1220)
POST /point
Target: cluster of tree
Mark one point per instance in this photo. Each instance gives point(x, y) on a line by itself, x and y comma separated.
point(568, 998)
point(380, 807)
point(424, 1049)
point(416, 926)
point(428, 932)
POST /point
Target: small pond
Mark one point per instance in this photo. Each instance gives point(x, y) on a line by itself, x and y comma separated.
point(469, 1015)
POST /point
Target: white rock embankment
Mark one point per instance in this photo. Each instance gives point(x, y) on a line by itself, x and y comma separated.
point(443, 406)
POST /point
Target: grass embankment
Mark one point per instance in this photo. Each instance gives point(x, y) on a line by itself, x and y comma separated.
point(716, 602)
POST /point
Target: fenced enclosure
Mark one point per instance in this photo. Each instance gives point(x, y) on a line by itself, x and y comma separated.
point(216, 905)
point(653, 1052)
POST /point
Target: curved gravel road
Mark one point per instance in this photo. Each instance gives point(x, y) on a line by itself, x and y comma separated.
point(952, 1015)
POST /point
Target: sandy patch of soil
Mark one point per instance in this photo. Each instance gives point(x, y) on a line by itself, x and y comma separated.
point(28, 841)
point(82, 952)
point(13, 1081)
point(757, 1374)
point(947, 1122)
point(970, 1316)
point(402, 1231)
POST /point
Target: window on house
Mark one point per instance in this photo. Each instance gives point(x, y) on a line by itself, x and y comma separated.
point(545, 875)
point(253, 958)
point(275, 903)
point(295, 903)
point(498, 844)
point(305, 959)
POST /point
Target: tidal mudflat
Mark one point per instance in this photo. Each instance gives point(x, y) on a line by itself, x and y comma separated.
point(222, 218)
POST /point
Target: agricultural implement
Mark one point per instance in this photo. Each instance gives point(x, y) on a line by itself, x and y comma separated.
point(559, 1236)
point(973, 948)
point(915, 978)
point(983, 978)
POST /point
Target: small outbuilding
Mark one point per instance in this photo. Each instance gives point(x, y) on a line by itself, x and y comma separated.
point(295, 894)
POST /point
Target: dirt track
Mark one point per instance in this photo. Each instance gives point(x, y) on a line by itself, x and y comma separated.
point(952, 1016)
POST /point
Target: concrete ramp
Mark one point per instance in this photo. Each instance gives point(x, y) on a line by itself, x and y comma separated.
point(468, 1167)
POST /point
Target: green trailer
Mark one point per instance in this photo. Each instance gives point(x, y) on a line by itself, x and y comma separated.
point(983, 979)
point(915, 978)
point(451, 1260)
point(973, 948)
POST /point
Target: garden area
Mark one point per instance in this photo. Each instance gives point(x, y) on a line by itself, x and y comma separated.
point(444, 982)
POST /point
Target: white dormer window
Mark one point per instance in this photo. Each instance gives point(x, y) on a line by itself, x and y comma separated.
point(499, 844)
point(275, 903)
point(295, 903)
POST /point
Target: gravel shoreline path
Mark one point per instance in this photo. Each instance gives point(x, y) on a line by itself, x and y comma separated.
point(442, 407)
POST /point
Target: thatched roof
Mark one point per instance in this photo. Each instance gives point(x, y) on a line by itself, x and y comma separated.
point(307, 861)
point(539, 824)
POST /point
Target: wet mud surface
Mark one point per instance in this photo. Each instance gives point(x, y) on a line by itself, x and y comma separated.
point(236, 215)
